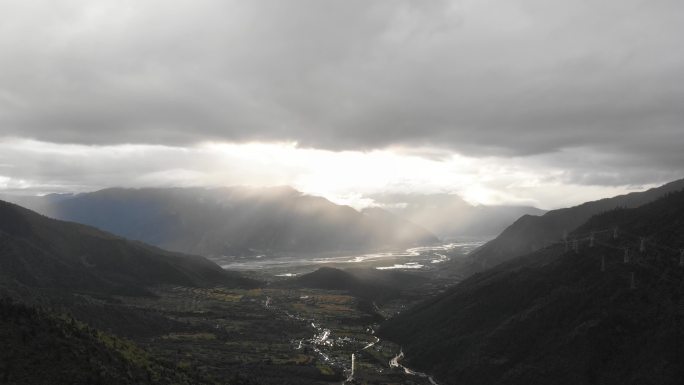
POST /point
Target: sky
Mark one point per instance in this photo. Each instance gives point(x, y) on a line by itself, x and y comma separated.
point(537, 102)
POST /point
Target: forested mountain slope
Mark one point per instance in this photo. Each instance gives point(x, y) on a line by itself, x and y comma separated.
point(532, 232)
point(558, 316)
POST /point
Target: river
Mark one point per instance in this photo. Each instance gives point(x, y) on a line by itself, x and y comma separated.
point(394, 363)
point(416, 258)
point(326, 343)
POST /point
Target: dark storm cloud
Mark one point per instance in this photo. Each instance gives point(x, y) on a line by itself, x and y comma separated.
point(508, 78)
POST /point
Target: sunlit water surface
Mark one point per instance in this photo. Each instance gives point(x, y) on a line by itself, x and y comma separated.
point(417, 258)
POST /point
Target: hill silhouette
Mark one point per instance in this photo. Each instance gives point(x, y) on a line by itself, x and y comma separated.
point(37, 251)
point(533, 232)
point(363, 283)
point(557, 316)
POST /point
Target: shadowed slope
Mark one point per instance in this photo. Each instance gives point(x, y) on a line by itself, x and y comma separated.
point(362, 282)
point(555, 317)
point(532, 232)
point(43, 252)
point(43, 349)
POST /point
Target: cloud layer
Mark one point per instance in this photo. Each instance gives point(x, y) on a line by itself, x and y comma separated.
point(347, 177)
point(519, 77)
point(590, 88)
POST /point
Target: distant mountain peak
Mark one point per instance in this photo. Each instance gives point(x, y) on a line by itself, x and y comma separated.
point(237, 221)
point(450, 216)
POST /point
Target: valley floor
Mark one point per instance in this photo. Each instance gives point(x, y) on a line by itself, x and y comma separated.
point(272, 336)
point(279, 335)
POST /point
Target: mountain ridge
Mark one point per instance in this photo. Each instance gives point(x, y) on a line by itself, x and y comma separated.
point(532, 232)
point(563, 316)
point(216, 222)
point(450, 216)
point(38, 251)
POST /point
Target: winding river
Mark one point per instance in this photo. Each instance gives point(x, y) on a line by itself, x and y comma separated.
point(424, 257)
point(394, 363)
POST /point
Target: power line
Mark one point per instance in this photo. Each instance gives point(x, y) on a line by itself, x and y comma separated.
point(620, 240)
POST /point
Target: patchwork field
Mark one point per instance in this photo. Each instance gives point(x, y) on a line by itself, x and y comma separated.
point(272, 336)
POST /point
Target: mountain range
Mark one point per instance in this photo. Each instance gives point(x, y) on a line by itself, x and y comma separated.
point(449, 216)
point(565, 316)
point(531, 232)
point(41, 252)
point(543, 312)
point(244, 221)
point(235, 220)
point(52, 271)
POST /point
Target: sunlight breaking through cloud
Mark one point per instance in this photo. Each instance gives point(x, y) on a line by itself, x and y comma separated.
point(345, 177)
